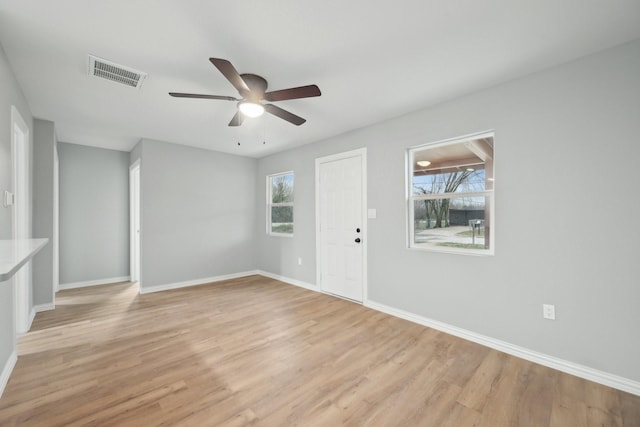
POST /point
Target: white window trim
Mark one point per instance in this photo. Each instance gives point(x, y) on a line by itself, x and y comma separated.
point(411, 198)
point(270, 205)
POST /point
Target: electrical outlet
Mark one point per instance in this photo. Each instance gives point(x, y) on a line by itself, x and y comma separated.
point(299, 261)
point(549, 311)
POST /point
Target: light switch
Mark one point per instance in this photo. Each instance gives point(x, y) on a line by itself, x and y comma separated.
point(372, 214)
point(8, 198)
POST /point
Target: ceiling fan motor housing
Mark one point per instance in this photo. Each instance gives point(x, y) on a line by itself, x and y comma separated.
point(257, 85)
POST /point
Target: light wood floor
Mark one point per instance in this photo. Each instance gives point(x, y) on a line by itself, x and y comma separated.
point(257, 351)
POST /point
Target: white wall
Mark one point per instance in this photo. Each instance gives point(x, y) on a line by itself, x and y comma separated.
point(94, 214)
point(10, 94)
point(566, 172)
point(197, 214)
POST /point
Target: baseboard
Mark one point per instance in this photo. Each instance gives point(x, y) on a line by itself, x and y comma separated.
point(84, 284)
point(32, 315)
point(37, 309)
point(289, 280)
point(195, 282)
point(44, 307)
point(6, 371)
point(562, 365)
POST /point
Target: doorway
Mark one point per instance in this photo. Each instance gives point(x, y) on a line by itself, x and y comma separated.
point(20, 220)
point(341, 224)
point(134, 203)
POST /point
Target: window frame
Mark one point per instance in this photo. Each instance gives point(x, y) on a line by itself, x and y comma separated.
point(270, 204)
point(411, 198)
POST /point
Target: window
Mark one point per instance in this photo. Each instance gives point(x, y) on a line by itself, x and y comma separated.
point(450, 195)
point(280, 204)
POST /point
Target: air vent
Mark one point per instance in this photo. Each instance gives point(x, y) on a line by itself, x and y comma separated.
point(115, 72)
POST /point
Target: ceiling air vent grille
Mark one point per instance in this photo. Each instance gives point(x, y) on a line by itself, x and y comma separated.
point(117, 73)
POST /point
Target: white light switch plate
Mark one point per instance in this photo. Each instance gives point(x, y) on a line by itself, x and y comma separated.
point(8, 198)
point(372, 214)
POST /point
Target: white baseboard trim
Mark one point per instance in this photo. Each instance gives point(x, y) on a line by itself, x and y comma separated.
point(6, 371)
point(32, 315)
point(44, 307)
point(289, 280)
point(575, 369)
point(37, 309)
point(196, 282)
point(108, 281)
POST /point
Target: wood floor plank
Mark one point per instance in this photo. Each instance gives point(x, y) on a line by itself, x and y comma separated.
point(476, 392)
point(502, 406)
point(461, 416)
point(629, 409)
point(255, 351)
point(534, 407)
point(569, 406)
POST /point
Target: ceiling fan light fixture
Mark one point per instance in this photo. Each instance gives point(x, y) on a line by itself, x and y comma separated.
point(251, 109)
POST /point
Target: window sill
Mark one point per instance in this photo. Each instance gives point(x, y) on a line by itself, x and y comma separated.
point(280, 234)
point(459, 251)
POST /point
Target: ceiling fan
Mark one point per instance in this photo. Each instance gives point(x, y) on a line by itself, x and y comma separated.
point(253, 90)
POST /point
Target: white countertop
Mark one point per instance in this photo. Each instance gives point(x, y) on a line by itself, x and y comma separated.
point(15, 253)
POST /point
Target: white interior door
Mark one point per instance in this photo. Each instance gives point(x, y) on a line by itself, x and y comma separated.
point(134, 192)
point(341, 224)
point(20, 220)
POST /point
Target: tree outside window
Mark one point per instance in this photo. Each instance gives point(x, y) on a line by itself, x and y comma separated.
point(451, 195)
point(280, 204)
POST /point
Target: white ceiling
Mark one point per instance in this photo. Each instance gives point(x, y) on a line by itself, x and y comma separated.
point(373, 60)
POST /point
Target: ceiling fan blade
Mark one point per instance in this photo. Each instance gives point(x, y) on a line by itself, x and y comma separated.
point(237, 119)
point(195, 95)
point(293, 93)
point(284, 114)
point(229, 71)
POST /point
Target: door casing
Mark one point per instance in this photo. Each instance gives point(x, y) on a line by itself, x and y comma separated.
point(134, 207)
point(21, 216)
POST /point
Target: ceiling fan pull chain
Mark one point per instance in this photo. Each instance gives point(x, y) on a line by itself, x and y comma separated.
point(264, 133)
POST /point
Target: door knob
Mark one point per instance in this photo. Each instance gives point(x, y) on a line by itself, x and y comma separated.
point(357, 240)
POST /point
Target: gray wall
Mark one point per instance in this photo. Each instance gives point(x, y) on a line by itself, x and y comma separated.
point(10, 94)
point(567, 155)
point(94, 213)
point(44, 146)
point(198, 209)
point(279, 254)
